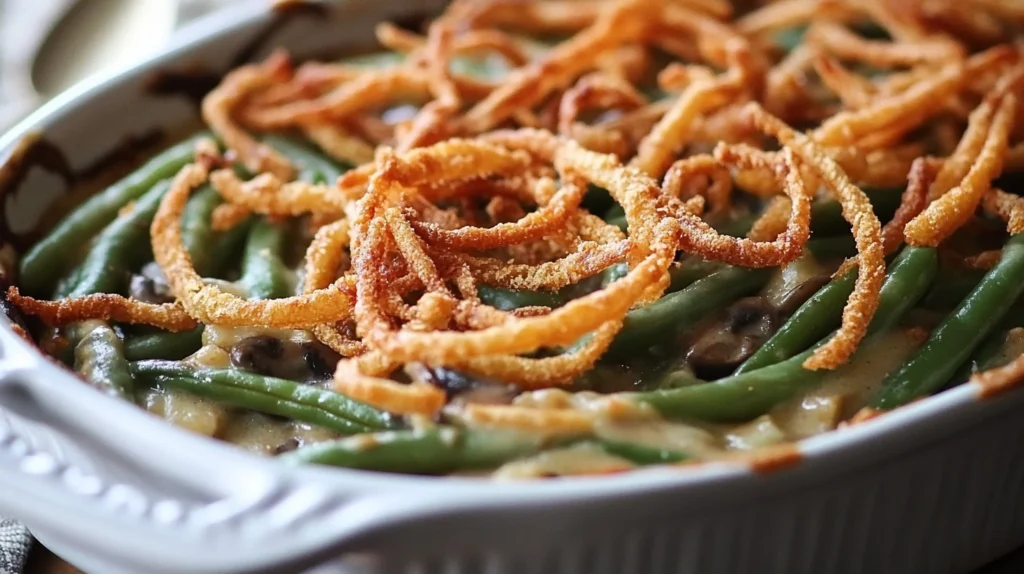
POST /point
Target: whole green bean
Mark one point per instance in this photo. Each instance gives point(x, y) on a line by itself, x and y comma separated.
point(264, 275)
point(953, 341)
point(313, 167)
point(446, 449)
point(261, 402)
point(99, 359)
point(163, 345)
point(301, 396)
point(675, 312)
point(430, 451)
point(507, 299)
point(745, 396)
point(123, 245)
point(43, 264)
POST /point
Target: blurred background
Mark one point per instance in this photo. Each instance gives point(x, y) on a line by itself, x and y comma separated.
point(47, 46)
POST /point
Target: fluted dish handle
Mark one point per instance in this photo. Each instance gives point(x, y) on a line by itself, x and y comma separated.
point(205, 508)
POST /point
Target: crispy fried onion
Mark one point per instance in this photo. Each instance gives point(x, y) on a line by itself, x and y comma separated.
point(1000, 379)
point(841, 42)
point(385, 394)
point(697, 237)
point(950, 211)
point(597, 91)
point(912, 202)
point(860, 308)
point(267, 195)
point(104, 306)
point(220, 105)
point(521, 335)
point(477, 154)
point(1007, 206)
point(211, 305)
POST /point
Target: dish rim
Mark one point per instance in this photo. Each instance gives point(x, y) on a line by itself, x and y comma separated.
point(921, 420)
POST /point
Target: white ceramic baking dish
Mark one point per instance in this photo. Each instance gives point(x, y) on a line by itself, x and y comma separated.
point(935, 487)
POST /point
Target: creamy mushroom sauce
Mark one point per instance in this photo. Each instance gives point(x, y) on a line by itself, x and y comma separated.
point(820, 409)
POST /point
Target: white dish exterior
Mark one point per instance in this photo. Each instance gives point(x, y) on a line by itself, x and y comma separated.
point(934, 487)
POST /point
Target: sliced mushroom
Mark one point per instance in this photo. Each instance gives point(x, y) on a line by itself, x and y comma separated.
point(307, 361)
point(147, 290)
point(726, 343)
point(462, 388)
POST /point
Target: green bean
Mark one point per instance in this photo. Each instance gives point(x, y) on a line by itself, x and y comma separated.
point(827, 214)
point(681, 274)
point(123, 245)
point(986, 356)
point(790, 38)
point(313, 167)
point(264, 275)
point(812, 321)
point(261, 402)
point(614, 212)
point(598, 200)
point(826, 248)
point(746, 396)
point(430, 451)
point(99, 359)
point(67, 283)
point(953, 341)
point(620, 222)
point(990, 354)
point(486, 67)
point(639, 454)
point(306, 400)
point(952, 288)
point(446, 449)
point(734, 227)
point(210, 250)
point(507, 299)
point(675, 312)
point(614, 273)
point(43, 265)
point(163, 345)
point(738, 226)
point(226, 249)
point(374, 60)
